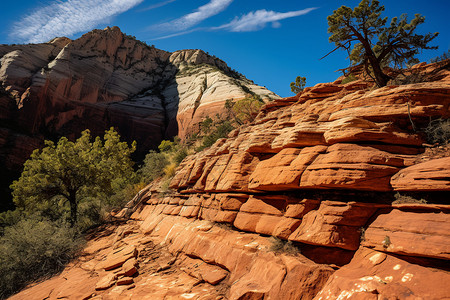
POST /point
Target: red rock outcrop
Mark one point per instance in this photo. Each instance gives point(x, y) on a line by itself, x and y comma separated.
point(299, 204)
point(375, 275)
point(433, 175)
point(103, 79)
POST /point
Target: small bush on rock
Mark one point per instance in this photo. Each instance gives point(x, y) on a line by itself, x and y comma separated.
point(282, 246)
point(444, 56)
point(404, 199)
point(349, 78)
point(154, 164)
point(438, 131)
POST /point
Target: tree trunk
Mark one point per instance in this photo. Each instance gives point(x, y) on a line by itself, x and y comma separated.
point(73, 209)
point(380, 78)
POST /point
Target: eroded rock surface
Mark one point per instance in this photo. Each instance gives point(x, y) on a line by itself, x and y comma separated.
point(106, 78)
point(299, 204)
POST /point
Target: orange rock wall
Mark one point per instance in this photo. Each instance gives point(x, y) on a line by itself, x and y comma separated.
point(297, 205)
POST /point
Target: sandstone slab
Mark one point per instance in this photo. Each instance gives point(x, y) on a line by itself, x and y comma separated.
point(433, 175)
point(118, 257)
point(204, 271)
point(334, 224)
point(283, 171)
point(347, 166)
point(106, 282)
point(375, 275)
point(409, 233)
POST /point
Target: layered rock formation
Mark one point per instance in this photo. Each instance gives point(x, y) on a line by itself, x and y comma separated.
point(108, 78)
point(103, 79)
point(300, 204)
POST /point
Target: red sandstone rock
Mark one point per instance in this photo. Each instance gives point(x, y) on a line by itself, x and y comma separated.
point(203, 271)
point(334, 224)
point(265, 205)
point(412, 234)
point(299, 209)
point(231, 201)
point(375, 275)
point(352, 167)
point(118, 256)
point(106, 282)
point(231, 172)
point(283, 171)
point(433, 175)
point(129, 267)
point(80, 286)
point(352, 129)
point(274, 278)
point(125, 281)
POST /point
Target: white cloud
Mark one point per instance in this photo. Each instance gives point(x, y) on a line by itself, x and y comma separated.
point(177, 34)
point(66, 18)
point(204, 12)
point(257, 20)
point(157, 5)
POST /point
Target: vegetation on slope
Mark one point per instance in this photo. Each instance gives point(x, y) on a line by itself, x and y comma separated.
point(68, 187)
point(65, 189)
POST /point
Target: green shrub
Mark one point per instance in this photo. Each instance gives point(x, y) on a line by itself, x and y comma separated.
point(403, 199)
point(166, 146)
point(59, 177)
point(444, 56)
point(281, 246)
point(9, 218)
point(31, 249)
point(438, 131)
point(298, 85)
point(205, 125)
point(349, 78)
point(180, 155)
point(246, 110)
point(154, 164)
point(221, 130)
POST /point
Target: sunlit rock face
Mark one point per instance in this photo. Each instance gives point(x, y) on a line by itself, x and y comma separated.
point(319, 198)
point(106, 78)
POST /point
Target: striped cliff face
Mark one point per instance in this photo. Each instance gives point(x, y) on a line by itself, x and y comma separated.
point(106, 78)
point(327, 195)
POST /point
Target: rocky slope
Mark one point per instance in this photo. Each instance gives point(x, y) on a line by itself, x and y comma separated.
point(103, 79)
point(297, 205)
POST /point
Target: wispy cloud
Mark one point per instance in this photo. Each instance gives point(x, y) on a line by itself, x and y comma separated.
point(179, 34)
point(204, 12)
point(157, 5)
point(257, 20)
point(66, 18)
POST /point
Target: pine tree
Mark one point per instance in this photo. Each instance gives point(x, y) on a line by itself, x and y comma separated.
point(370, 43)
point(298, 85)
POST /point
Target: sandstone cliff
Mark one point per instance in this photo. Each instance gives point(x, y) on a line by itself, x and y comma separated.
point(297, 205)
point(106, 78)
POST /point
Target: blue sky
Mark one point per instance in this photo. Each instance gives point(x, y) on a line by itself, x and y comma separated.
point(271, 42)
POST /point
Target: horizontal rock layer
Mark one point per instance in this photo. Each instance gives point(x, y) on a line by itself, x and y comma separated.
point(107, 79)
point(318, 144)
point(298, 204)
